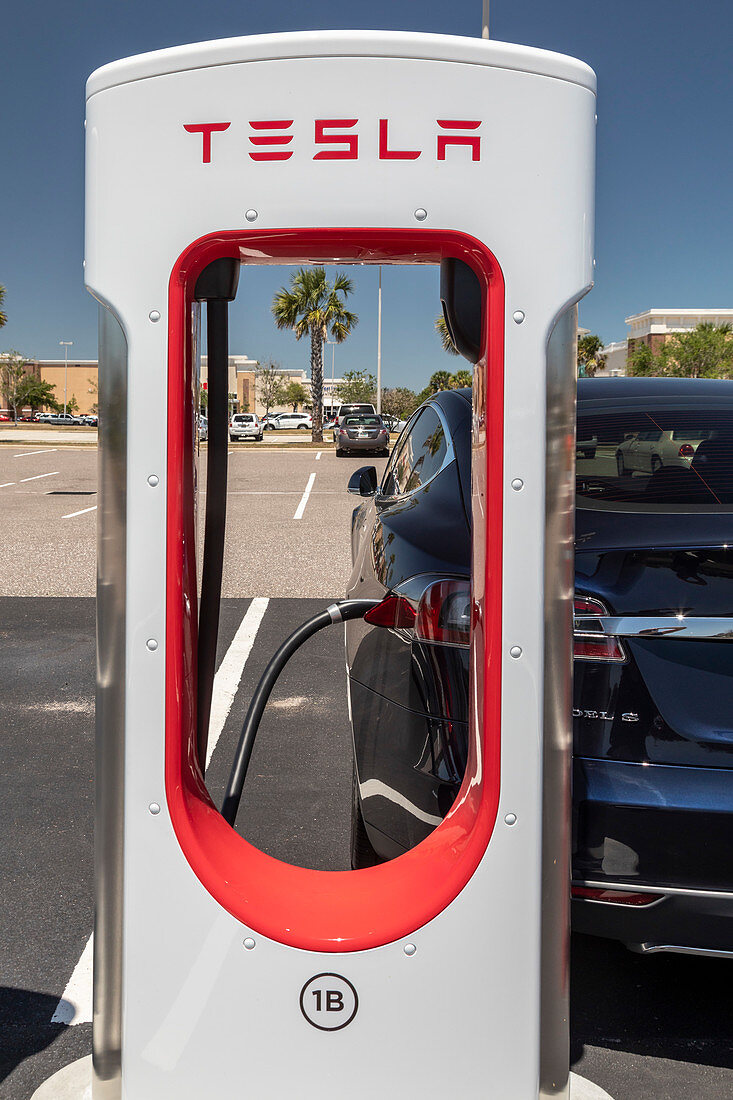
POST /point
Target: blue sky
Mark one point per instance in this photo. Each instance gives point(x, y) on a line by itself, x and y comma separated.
point(665, 157)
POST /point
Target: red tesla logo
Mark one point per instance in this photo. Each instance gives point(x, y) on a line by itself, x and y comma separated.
point(271, 137)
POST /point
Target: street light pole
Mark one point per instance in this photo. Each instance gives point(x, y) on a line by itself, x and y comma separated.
point(485, 21)
point(379, 344)
point(66, 344)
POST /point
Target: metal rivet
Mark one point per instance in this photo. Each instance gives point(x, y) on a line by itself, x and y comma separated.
point(251, 216)
point(154, 315)
point(516, 651)
point(518, 316)
point(410, 949)
point(421, 214)
point(517, 484)
point(153, 480)
point(151, 644)
point(510, 819)
point(154, 808)
point(249, 943)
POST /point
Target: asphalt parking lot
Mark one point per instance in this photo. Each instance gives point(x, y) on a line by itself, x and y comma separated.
point(642, 1028)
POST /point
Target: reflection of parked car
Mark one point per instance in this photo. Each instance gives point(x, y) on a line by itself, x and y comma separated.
point(363, 432)
point(203, 429)
point(653, 694)
point(586, 448)
point(394, 424)
point(652, 448)
point(288, 421)
point(245, 426)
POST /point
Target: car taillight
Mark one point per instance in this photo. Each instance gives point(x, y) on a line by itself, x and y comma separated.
point(590, 644)
point(614, 897)
point(686, 451)
point(394, 612)
point(342, 431)
point(444, 613)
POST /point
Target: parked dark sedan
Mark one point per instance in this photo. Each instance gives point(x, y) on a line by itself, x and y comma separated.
point(653, 695)
point(361, 432)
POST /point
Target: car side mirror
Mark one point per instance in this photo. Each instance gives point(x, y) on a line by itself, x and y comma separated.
point(363, 481)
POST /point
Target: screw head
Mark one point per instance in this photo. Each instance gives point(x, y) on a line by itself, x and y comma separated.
point(153, 480)
point(515, 651)
point(517, 484)
point(152, 644)
point(410, 949)
point(249, 943)
point(154, 808)
point(421, 214)
point(251, 215)
point(510, 819)
point(154, 315)
point(518, 316)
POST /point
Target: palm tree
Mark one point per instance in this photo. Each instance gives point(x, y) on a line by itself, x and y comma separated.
point(316, 307)
point(3, 315)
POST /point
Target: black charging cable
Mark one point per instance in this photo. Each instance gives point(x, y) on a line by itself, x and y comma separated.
point(217, 286)
point(339, 612)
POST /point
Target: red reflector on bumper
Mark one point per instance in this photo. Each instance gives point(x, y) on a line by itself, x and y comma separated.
point(614, 897)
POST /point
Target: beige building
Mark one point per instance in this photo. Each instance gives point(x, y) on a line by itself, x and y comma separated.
point(654, 327)
point(74, 383)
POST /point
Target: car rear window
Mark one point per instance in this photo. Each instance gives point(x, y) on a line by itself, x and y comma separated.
point(655, 459)
point(362, 421)
point(243, 418)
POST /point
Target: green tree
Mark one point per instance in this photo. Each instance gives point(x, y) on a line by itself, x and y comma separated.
point(294, 394)
point(358, 385)
point(590, 355)
point(94, 388)
point(461, 379)
point(314, 307)
point(642, 362)
point(37, 394)
point(445, 337)
point(704, 352)
point(269, 384)
point(3, 314)
point(12, 370)
point(438, 381)
point(399, 402)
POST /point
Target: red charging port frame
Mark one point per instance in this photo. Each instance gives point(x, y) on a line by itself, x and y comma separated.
point(332, 910)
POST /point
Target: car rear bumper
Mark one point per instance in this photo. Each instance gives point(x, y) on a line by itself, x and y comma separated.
point(362, 444)
point(687, 923)
point(659, 828)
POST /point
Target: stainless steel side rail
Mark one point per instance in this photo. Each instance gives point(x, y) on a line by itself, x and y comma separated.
point(656, 626)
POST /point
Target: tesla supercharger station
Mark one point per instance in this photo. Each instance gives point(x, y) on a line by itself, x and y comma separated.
point(220, 971)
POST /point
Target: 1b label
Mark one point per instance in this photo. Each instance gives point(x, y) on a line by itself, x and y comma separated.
point(329, 1002)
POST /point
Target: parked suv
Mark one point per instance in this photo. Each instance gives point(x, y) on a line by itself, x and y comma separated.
point(287, 421)
point(245, 426)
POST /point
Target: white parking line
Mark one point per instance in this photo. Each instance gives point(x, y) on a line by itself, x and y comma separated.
point(229, 673)
point(318, 455)
point(80, 513)
point(75, 1006)
point(6, 483)
point(37, 476)
point(47, 451)
point(304, 499)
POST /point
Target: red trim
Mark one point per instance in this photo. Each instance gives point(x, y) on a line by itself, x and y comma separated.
point(321, 910)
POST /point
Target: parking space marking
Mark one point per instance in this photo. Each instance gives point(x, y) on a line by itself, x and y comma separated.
point(318, 455)
point(36, 477)
point(6, 483)
point(75, 1006)
point(229, 673)
point(46, 451)
point(304, 499)
point(82, 512)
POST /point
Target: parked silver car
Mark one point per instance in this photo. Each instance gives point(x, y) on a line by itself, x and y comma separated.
point(245, 426)
point(365, 432)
